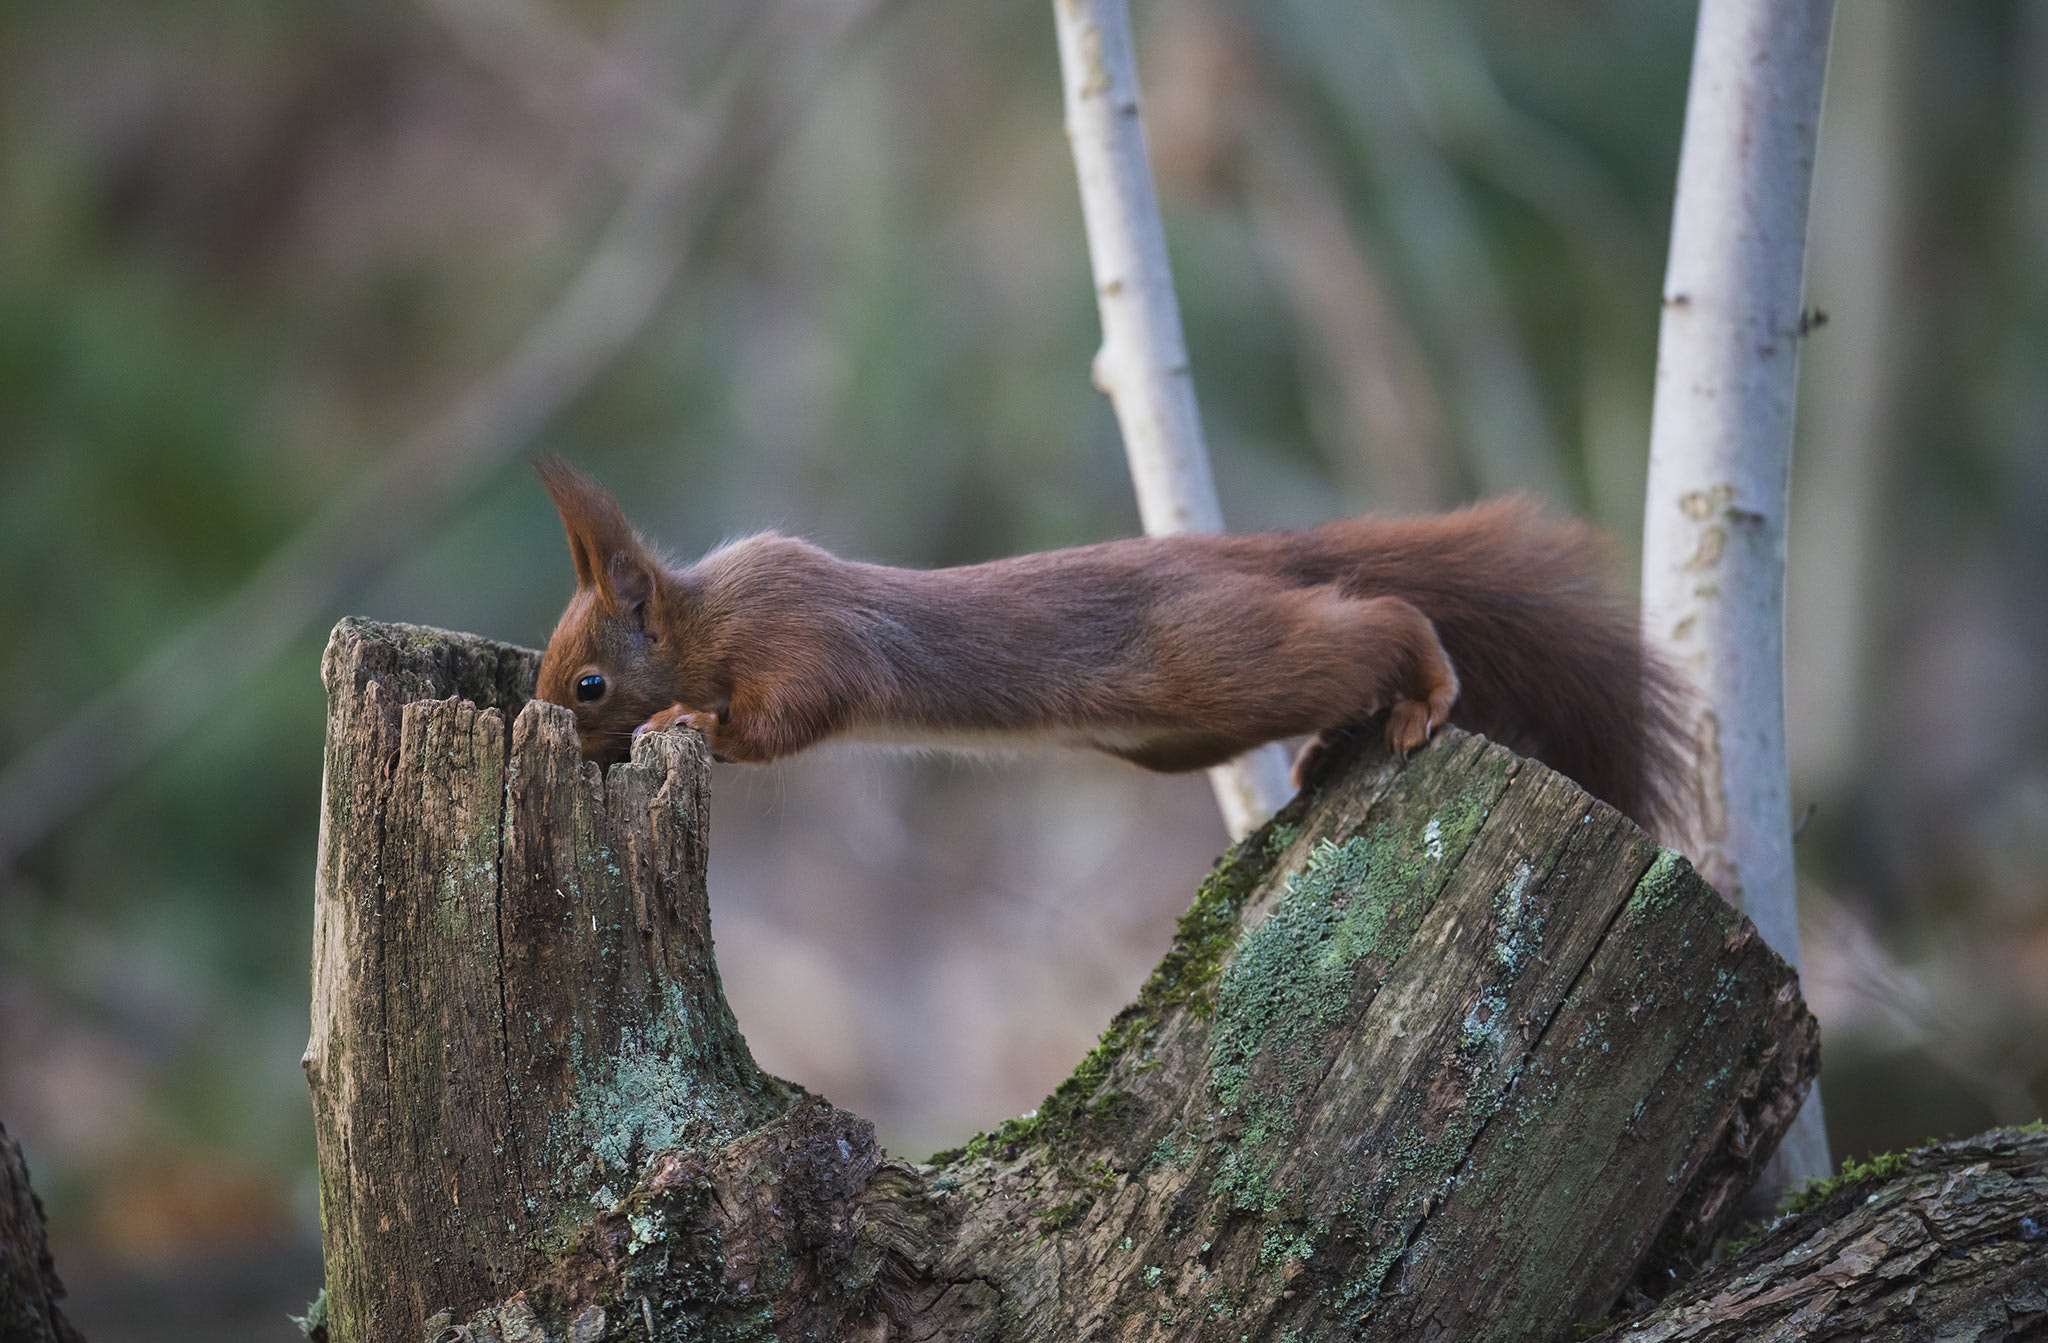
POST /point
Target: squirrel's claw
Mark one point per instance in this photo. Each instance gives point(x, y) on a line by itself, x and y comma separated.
point(1408, 726)
point(680, 715)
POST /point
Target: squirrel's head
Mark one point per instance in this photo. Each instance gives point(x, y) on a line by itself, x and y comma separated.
point(604, 662)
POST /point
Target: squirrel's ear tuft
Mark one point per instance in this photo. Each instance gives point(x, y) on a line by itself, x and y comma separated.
point(607, 552)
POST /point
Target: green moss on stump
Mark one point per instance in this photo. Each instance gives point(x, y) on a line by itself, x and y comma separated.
point(1184, 981)
point(1813, 1193)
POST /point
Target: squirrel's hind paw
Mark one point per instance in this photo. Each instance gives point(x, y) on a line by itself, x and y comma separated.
point(1409, 724)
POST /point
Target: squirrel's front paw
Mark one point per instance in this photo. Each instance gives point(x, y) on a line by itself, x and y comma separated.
point(683, 715)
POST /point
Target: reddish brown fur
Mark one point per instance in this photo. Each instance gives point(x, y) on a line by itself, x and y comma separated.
point(1173, 652)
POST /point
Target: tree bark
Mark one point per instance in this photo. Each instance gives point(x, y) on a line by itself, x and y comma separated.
point(1721, 447)
point(514, 1001)
point(29, 1290)
point(1448, 1049)
point(1949, 1242)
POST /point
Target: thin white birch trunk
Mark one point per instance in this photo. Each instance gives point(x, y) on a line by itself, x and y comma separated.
point(1720, 448)
point(1143, 362)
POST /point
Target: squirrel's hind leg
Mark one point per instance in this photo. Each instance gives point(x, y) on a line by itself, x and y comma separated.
point(1402, 667)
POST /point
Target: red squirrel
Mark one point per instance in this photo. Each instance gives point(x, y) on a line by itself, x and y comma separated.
point(1174, 652)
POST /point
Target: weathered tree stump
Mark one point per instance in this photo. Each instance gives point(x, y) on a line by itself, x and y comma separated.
point(29, 1290)
point(1948, 1242)
point(1447, 1050)
point(514, 1001)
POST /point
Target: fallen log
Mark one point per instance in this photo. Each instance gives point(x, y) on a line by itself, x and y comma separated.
point(1446, 1050)
point(1949, 1241)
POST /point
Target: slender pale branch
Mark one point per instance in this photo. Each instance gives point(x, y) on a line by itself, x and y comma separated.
point(1721, 440)
point(1143, 362)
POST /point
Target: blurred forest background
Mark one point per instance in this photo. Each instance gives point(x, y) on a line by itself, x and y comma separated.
point(289, 291)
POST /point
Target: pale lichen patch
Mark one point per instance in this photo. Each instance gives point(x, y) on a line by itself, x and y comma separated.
point(1659, 887)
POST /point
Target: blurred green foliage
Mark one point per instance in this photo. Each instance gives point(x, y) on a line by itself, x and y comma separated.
point(246, 247)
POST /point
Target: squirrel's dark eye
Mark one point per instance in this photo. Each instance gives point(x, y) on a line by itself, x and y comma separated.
point(589, 688)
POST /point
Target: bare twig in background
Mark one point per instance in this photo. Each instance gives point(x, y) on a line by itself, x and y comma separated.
point(1720, 450)
point(684, 184)
point(1499, 418)
point(1221, 128)
point(1450, 84)
point(565, 77)
point(1860, 989)
point(1338, 294)
point(1449, 80)
point(1845, 463)
point(1143, 362)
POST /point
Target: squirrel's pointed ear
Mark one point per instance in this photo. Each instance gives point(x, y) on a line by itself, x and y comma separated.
point(607, 552)
point(628, 583)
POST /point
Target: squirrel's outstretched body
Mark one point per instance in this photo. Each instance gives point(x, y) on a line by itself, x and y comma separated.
point(1172, 652)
